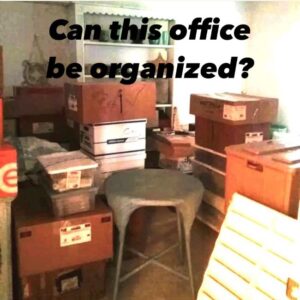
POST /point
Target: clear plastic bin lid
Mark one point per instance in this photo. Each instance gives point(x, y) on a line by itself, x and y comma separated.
point(62, 162)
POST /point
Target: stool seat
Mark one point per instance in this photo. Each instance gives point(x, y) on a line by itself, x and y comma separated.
point(128, 190)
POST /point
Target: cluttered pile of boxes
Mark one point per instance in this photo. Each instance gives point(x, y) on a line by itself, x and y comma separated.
point(63, 230)
point(224, 119)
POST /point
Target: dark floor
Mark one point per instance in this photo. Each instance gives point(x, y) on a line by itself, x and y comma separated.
point(155, 283)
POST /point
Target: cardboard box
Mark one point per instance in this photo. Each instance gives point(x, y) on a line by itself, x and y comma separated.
point(77, 283)
point(46, 244)
point(8, 171)
point(90, 103)
point(39, 100)
point(114, 138)
point(217, 136)
point(235, 109)
point(267, 172)
point(49, 127)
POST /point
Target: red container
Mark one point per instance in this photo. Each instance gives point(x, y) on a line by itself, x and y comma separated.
point(90, 103)
point(46, 244)
point(8, 171)
point(39, 100)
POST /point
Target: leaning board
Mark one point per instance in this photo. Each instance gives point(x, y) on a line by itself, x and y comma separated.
point(254, 255)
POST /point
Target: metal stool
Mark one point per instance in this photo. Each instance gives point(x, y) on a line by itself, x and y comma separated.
point(126, 191)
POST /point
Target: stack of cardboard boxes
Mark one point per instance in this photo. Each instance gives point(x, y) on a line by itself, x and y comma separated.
point(112, 119)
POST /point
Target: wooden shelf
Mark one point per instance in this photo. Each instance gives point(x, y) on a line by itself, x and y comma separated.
point(116, 44)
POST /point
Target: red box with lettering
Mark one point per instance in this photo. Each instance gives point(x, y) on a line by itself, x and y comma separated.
point(8, 171)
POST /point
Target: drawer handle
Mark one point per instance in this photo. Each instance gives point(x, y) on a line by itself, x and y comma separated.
point(254, 166)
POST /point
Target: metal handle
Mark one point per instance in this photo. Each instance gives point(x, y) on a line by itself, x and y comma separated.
point(255, 166)
point(121, 101)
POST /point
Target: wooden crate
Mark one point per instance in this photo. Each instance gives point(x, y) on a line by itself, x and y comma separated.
point(261, 177)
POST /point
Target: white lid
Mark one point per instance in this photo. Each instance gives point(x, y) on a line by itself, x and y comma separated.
point(61, 162)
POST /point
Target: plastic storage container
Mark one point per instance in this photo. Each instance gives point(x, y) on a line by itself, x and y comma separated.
point(72, 202)
point(68, 170)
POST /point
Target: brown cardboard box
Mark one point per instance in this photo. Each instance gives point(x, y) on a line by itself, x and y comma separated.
point(217, 136)
point(78, 283)
point(267, 172)
point(39, 100)
point(50, 127)
point(90, 103)
point(46, 244)
point(234, 109)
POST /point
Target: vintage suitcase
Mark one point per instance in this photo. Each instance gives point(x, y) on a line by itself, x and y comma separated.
point(49, 127)
point(174, 146)
point(39, 100)
point(235, 109)
point(68, 170)
point(46, 244)
point(267, 172)
point(114, 138)
point(90, 103)
point(217, 136)
point(1, 73)
point(78, 283)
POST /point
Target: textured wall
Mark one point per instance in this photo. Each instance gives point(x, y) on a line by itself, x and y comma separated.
point(18, 24)
point(275, 46)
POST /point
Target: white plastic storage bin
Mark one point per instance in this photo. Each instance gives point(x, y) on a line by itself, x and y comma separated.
point(68, 170)
point(114, 138)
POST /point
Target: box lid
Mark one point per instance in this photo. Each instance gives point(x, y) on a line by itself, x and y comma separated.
point(231, 97)
point(61, 162)
point(271, 146)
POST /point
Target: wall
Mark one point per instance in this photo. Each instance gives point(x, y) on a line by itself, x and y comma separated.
point(203, 51)
point(275, 46)
point(19, 22)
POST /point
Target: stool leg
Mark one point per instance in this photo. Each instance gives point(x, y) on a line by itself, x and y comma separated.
point(119, 263)
point(180, 237)
point(189, 261)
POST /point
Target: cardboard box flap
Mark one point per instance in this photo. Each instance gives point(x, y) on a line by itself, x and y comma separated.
point(56, 163)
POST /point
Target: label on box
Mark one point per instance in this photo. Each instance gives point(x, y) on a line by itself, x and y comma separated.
point(77, 234)
point(73, 179)
point(42, 127)
point(234, 112)
point(8, 179)
point(69, 284)
point(251, 137)
point(72, 103)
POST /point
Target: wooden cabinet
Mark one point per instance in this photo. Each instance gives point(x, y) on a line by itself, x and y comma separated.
point(91, 103)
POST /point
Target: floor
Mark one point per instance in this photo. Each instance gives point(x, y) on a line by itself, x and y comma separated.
point(154, 282)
